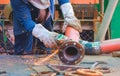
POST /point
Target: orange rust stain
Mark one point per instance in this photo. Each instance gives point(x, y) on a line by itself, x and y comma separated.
point(4, 1)
point(84, 1)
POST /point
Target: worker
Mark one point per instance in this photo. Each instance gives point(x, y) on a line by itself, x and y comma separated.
point(33, 18)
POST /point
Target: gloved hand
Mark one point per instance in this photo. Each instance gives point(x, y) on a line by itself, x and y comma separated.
point(69, 18)
point(45, 36)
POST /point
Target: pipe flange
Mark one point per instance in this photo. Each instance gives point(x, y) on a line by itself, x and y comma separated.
point(71, 52)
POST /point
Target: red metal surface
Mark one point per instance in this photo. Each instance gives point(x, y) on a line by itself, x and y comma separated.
point(109, 46)
point(4, 1)
point(72, 34)
point(84, 1)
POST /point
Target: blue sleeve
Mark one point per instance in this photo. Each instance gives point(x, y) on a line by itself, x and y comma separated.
point(22, 13)
point(0, 24)
point(63, 1)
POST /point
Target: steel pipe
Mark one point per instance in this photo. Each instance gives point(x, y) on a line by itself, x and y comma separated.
point(70, 51)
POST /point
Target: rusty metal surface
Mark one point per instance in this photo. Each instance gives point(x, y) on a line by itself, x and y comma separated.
point(71, 52)
point(22, 65)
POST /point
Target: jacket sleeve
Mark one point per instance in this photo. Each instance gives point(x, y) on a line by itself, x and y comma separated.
point(22, 13)
point(63, 1)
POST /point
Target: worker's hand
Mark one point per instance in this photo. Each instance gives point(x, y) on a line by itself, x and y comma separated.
point(69, 18)
point(73, 22)
point(45, 36)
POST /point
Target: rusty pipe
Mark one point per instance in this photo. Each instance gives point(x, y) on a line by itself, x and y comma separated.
point(95, 48)
point(107, 46)
point(110, 46)
point(72, 34)
point(70, 51)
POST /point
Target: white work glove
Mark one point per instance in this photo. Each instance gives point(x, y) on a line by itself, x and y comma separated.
point(69, 18)
point(45, 36)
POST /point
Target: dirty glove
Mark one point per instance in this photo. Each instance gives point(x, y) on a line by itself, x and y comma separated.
point(69, 18)
point(45, 36)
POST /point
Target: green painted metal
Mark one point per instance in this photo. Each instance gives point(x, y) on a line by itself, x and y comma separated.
point(97, 6)
point(115, 23)
point(100, 35)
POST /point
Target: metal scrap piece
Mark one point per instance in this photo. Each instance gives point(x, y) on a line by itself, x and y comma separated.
point(3, 72)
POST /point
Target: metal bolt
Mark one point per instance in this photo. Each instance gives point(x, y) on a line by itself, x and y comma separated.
point(61, 57)
point(74, 43)
point(81, 56)
point(66, 44)
point(75, 62)
point(68, 62)
point(60, 50)
point(80, 49)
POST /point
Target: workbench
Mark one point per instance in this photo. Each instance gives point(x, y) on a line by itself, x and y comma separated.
point(22, 65)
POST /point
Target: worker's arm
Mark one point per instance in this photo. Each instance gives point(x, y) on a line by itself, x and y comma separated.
point(22, 13)
point(69, 16)
point(61, 2)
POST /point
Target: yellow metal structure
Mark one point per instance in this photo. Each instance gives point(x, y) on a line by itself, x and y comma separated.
point(7, 11)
